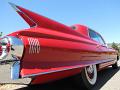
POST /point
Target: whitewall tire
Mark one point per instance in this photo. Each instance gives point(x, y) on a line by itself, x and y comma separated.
point(89, 76)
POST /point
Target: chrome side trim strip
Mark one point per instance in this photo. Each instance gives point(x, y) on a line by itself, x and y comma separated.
point(31, 75)
point(75, 67)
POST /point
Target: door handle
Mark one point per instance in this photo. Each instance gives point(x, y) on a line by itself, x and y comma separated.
point(98, 46)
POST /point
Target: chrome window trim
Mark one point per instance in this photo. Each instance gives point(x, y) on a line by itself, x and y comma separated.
point(98, 35)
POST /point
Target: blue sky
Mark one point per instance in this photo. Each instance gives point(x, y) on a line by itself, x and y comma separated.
point(102, 16)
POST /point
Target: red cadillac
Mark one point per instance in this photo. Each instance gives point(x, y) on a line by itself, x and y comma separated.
point(49, 50)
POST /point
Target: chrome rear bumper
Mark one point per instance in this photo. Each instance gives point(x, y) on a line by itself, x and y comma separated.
point(15, 70)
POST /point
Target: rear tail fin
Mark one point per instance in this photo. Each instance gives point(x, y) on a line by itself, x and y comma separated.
point(34, 19)
point(27, 18)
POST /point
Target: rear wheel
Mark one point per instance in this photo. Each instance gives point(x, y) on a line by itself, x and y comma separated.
point(89, 76)
point(115, 66)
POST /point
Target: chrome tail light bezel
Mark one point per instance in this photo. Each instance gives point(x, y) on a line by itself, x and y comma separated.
point(12, 48)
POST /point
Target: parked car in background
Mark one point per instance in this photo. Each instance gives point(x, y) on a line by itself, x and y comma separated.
point(49, 50)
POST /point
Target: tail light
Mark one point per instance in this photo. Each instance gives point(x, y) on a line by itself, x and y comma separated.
point(11, 48)
point(0, 50)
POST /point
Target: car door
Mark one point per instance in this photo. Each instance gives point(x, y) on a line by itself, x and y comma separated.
point(100, 44)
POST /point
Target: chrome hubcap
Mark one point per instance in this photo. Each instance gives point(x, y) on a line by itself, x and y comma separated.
point(91, 74)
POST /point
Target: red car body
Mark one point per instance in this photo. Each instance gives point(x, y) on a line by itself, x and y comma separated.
point(52, 50)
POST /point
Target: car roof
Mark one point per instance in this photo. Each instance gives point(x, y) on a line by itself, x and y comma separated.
point(81, 29)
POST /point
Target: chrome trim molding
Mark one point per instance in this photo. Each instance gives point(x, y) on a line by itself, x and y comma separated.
point(34, 46)
point(53, 71)
point(15, 70)
point(15, 7)
point(31, 75)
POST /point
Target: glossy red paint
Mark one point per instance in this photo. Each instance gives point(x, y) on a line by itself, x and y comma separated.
point(53, 50)
point(0, 50)
point(52, 76)
point(0, 47)
point(65, 52)
point(44, 22)
point(81, 29)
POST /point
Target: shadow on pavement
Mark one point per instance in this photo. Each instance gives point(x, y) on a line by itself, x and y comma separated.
point(104, 76)
point(67, 84)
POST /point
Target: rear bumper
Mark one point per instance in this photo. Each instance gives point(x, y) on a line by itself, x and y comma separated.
point(15, 70)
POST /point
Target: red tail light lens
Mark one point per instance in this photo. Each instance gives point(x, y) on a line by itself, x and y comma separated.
point(0, 49)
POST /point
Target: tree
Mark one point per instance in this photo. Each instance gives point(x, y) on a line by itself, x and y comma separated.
point(1, 34)
point(115, 46)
